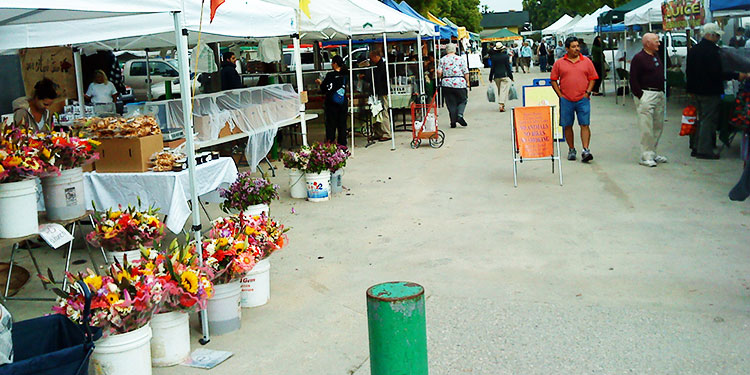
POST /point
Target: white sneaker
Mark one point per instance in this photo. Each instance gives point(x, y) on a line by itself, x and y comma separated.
point(647, 163)
point(660, 159)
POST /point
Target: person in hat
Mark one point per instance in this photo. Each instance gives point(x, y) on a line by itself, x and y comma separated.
point(502, 73)
point(705, 81)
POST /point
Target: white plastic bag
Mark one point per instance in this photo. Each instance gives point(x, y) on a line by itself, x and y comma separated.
point(491, 93)
point(430, 122)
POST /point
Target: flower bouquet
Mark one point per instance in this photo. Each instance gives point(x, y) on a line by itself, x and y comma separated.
point(318, 159)
point(185, 284)
point(123, 300)
point(23, 156)
point(247, 191)
point(126, 230)
point(337, 155)
point(265, 232)
point(296, 160)
point(70, 152)
point(229, 251)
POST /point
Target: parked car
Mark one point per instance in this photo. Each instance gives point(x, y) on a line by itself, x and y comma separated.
point(308, 62)
point(676, 45)
point(134, 75)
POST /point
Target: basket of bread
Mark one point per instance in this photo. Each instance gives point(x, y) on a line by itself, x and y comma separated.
point(120, 127)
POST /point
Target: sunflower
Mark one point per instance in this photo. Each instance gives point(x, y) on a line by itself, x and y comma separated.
point(190, 281)
point(113, 298)
point(93, 281)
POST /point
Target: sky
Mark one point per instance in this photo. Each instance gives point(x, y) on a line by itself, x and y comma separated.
point(502, 5)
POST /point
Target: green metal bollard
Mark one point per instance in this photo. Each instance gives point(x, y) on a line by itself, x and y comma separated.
point(397, 328)
point(167, 89)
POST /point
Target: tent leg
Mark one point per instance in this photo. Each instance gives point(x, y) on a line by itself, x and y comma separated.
point(388, 83)
point(187, 117)
point(79, 79)
point(300, 88)
point(351, 93)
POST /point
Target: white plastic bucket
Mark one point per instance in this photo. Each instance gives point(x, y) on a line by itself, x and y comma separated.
point(337, 185)
point(120, 255)
point(224, 311)
point(256, 209)
point(256, 285)
point(123, 354)
point(64, 198)
point(18, 215)
point(170, 344)
point(297, 184)
point(318, 186)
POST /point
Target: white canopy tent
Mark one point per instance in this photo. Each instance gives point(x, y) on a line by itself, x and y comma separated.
point(588, 23)
point(552, 29)
point(36, 22)
point(648, 13)
point(563, 30)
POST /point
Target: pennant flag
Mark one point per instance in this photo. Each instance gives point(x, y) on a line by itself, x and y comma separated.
point(215, 5)
point(304, 6)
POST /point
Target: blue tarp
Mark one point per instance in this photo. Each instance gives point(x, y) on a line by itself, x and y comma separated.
point(445, 31)
point(729, 5)
point(616, 28)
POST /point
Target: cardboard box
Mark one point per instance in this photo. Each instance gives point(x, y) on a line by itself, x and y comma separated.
point(128, 154)
point(174, 144)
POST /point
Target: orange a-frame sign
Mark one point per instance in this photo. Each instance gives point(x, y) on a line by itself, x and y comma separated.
point(534, 132)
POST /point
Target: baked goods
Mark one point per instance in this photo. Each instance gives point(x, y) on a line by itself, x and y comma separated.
point(120, 127)
point(167, 160)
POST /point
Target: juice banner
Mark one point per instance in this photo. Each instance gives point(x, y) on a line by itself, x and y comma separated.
point(682, 14)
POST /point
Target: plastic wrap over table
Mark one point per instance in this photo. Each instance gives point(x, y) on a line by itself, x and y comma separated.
point(255, 111)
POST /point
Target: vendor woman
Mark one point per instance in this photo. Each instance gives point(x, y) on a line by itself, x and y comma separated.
point(33, 112)
point(101, 91)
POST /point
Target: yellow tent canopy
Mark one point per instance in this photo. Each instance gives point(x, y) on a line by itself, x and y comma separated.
point(502, 35)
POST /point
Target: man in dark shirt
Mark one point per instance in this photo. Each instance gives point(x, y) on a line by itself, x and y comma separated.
point(647, 85)
point(738, 40)
point(382, 129)
point(230, 79)
point(705, 78)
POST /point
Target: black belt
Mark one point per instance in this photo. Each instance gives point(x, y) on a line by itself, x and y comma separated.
point(652, 89)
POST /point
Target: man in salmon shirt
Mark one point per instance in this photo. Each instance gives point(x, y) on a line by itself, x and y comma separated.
point(576, 76)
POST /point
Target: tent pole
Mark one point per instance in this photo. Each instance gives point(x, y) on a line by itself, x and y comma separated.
point(187, 118)
point(79, 80)
point(437, 81)
point(388, 83)
point(300, 87)
point(421, 66)
point(149, 96)
point(351, 92)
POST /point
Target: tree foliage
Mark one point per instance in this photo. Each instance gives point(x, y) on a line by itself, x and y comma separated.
point(462, 12)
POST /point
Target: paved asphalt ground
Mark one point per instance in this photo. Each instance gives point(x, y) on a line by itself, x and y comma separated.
point(623, 270)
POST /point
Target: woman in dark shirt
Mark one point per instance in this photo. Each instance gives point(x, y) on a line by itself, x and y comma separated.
point(335, 105)
point(597, 57)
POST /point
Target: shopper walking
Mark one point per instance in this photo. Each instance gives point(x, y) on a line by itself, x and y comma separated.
point(576, 76)
point(335, 105)
point(526, 58)
point(454, 74)
point(382, 128)
point(559, 50)
point(541, 51)
point(501, 73)
point(647, 86)
point(597, 57)
point(705, 78)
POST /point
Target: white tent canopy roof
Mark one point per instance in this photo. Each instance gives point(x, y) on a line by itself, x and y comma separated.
point(564, 29)
point(552, 29)
point(38, 11)
point(395, 21)
point(588, 24)
point(645, 14)
point(328, 18)
point(249, 19)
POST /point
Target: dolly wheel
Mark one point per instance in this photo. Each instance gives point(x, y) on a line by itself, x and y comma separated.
point(437, 139)
point(415, 143)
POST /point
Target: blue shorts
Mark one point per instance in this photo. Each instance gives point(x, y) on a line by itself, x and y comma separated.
point(570, 110)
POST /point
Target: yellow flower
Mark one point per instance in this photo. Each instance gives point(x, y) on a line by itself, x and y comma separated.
point(190, 281)
point(94, 282)
point(122, 274)
point(114, 215)
point(95, 143)
point(207, 286)
point(46, 153)
point(13, 161)
point(113, 298)
point(240, 245)
point(222, 242)
point(249, 231)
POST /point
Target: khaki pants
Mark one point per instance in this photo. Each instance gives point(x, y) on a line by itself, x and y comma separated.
point(650, 109)
point(383, 128)
point(503, 87)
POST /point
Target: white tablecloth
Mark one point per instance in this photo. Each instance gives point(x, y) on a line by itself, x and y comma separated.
point(170, 191)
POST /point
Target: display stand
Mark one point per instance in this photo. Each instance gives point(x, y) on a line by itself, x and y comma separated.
point(531, 131)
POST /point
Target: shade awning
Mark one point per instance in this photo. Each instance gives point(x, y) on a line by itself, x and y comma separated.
point(502, 35)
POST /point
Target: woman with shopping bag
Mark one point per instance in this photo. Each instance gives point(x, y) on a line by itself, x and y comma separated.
point(501, 73)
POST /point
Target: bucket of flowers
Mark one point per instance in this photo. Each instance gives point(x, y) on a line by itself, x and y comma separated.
point(229, 254)
point(337, 156)
point(269, 236)
point(248, 195)
point(22, 159)
point(123, 301)
point(122, 232)
point(296, 162)
point(186, 287)
point(318, 174)
point(63, 191)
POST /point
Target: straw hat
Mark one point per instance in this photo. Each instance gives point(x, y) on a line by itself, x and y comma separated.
point(499, 46)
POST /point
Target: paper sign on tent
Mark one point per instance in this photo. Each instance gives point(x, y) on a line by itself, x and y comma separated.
point(533, 132)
